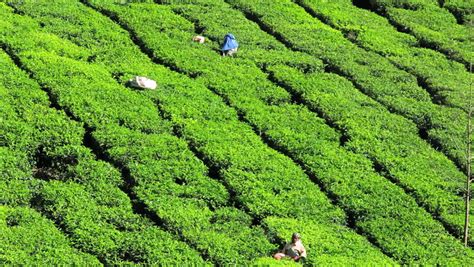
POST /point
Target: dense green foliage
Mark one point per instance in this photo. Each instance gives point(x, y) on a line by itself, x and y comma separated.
point(447, 81)
point(462, 9)
point(312, 128)
point(28, 239)
point(432, 25)
point(45, 163)
point(292, 136)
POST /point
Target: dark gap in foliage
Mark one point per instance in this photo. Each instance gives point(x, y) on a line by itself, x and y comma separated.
point(423, 133)
point(36, 202)
point(365, 4)
point(351, 35)
point(14, 5)
point(12, 221)
point(91, 58)
point(90, 142)
point(435, 97)
point(49, 167)
point(180, 181)
point(121, 122)
point(3, 140)
point(54, 103)
point(118, 76)
point(163, 2)
point(199, 29)
point(258, 222)
point(162, 113)
point(343, 140)
point(458, 15)
point(43, 167)
point(380, 169)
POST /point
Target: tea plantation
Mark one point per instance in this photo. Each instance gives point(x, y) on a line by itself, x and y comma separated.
point(342, 120)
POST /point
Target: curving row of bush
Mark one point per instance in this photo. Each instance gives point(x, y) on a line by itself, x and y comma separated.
point(462, 9)
point(29, 239)
point(447, 81)
point(30, 129)
point(273, 122)
point(119, 154)
point(191, 122)
point(102, 223)
point(432, 25)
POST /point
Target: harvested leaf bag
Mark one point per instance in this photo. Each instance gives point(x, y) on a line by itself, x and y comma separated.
point(200, 39)
point(142, 82)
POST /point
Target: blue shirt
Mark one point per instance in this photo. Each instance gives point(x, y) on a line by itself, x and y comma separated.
point(229, 42)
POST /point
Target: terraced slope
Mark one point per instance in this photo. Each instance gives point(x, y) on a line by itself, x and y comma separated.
point(229, 156)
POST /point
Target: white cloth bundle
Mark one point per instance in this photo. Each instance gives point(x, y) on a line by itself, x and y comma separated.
point(200, 39)
point(142, 82)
